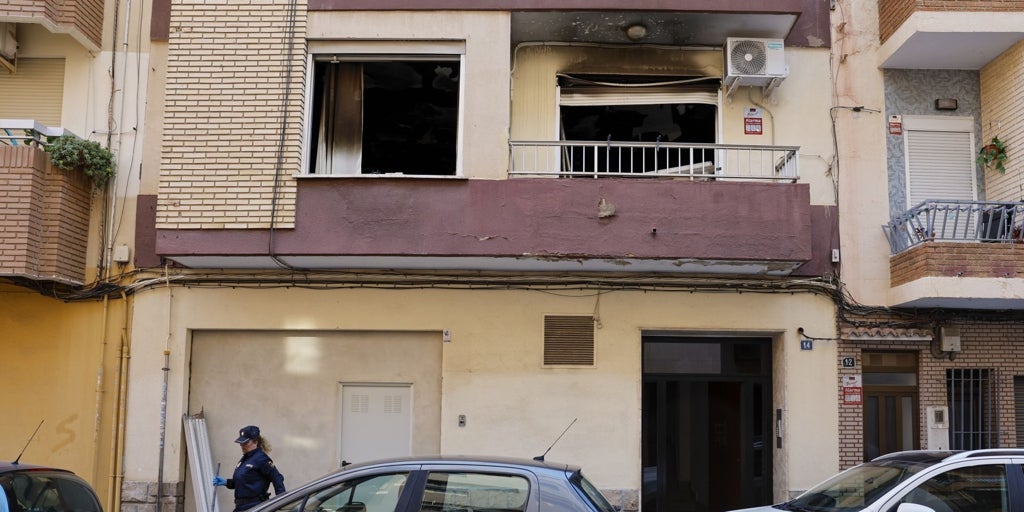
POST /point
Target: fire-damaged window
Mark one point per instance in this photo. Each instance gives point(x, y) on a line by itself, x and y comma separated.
point(661, 113)
point(385, 114)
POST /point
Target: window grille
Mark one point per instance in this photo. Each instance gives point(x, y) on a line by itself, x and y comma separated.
point(972, 408)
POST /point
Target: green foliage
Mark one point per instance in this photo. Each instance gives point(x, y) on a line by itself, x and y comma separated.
point(68, 152)
point(993, 153)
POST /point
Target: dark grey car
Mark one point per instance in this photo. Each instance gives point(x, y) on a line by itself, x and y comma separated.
point(28, 488)
point(446, 484)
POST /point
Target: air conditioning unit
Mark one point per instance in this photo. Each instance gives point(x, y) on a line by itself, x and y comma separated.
point(758, 62)
point(8, 45)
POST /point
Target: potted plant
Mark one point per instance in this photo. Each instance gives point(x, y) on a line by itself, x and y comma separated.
point(68, 152)
point(993, 153)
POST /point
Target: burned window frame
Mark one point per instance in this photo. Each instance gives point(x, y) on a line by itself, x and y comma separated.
point(600, 95)
point(350, 162)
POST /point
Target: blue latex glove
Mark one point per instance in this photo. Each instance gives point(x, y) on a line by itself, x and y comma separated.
point(219, 480)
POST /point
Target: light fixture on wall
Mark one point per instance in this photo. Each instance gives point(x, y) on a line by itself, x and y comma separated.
point(945, 104)
point(636, 32)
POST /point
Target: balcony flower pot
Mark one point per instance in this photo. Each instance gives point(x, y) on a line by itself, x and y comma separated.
point(993, 154)
point(70, 153)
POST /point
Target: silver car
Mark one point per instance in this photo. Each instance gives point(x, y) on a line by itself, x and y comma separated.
point(920, 481)
point(445, 484)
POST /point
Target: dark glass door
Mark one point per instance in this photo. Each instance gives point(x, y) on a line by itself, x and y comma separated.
point(707, 438)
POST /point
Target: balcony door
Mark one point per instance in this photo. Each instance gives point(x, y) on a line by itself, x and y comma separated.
point(618, 109)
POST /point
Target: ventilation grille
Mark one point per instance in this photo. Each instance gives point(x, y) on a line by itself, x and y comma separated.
point(569, 340)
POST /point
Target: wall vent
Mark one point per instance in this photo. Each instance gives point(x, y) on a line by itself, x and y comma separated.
point(569, 340)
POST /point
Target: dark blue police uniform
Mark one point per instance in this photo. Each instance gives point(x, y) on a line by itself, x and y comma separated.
point(252, 478)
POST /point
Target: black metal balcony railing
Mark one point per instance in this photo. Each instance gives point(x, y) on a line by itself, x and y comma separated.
point(959, 221)
point(653, 160)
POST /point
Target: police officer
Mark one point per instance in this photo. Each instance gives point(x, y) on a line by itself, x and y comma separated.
point(254, 472)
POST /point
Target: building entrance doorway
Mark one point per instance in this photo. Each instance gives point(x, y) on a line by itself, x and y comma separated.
point(890, 403)
point(706, 423)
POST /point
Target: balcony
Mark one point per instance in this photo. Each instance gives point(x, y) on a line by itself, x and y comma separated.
point(81, 19)
point(704, 162)
point(958, 254)
point(935, 34)
point(526, 224)
point(45, 211)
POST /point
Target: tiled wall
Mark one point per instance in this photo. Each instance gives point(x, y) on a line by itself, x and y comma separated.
point(913, 92)
point(233, 114)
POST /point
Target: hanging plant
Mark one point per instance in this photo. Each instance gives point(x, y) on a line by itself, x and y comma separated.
point(68, 153)
point(993, 153)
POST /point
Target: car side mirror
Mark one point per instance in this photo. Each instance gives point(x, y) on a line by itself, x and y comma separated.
point(913, 507)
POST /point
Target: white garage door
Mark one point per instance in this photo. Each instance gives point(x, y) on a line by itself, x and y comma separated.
point(288, 384)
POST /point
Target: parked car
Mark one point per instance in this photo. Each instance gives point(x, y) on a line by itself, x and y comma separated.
point(445, 484)
point(29, 488)
point(920, 481)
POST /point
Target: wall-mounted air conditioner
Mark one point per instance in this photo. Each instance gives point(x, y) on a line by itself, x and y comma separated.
point(8, 46)
point(757, 62)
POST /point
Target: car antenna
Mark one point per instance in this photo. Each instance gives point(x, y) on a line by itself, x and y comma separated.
point(540, 458)
point(29, 442)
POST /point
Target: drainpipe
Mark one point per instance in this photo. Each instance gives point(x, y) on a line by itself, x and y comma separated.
point(163, 431)
point(117, 433)
point(99, 389)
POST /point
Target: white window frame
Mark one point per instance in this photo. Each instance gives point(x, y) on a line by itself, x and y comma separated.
point(369, 51)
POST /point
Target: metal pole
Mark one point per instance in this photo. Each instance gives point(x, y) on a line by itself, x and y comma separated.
point(163, 432)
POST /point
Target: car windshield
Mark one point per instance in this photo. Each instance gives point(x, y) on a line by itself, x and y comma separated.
point(854, 488)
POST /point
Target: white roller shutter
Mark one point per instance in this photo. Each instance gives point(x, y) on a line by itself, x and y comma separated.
point(940, 161)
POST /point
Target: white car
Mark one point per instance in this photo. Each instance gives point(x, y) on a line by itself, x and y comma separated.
point(920, 481)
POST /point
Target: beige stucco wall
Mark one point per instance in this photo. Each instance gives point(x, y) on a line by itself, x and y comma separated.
point(492, 370)
point(863, 182)
point(62, 357)
point(60, 368)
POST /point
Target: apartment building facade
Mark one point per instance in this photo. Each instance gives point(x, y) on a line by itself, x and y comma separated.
point(67, 68)
point(930, 231)
point(462, 227)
